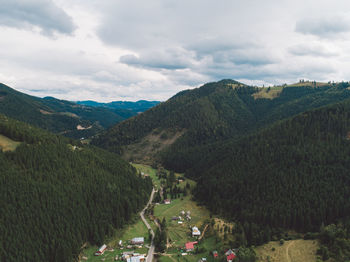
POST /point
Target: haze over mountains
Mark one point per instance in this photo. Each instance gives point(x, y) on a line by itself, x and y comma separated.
point(64, 117)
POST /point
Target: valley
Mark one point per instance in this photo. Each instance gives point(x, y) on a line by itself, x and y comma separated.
point(238, 173)
point(216, 234)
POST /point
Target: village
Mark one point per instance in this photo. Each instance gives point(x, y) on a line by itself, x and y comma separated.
point(190, 234)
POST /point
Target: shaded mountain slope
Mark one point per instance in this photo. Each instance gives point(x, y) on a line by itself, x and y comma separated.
point(292, 175)
point(56, 194)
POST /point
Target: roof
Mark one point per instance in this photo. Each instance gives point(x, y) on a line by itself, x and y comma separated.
point(135, 259)
point(215, 253)
point(195, 231)
point(138, 239)
point(102, 248)
point(231, 257)
point(190, 245)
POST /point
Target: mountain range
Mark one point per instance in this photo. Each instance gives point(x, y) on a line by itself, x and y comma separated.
point(271, 159)
point(65, 117)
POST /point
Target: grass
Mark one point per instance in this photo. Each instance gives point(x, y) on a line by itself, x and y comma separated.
point(309, 83)
point(138, 229)
point(268, 92)
point(150, 171)
point(7, 144)
point(181, 233)
point(291, 251)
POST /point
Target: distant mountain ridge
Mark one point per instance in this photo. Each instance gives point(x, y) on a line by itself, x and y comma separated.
point(138, 106)
point(60, 116)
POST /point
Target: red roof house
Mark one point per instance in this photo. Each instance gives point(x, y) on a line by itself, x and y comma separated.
point(231, 257)
point(215, 254)
point(190, 246)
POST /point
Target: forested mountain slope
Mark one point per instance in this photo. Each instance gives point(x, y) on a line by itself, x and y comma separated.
point(179, 132)
point(59, 116)
point(292, 175)
point(56, 194)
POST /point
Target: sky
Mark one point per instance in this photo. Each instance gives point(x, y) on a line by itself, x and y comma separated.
point(108, 50)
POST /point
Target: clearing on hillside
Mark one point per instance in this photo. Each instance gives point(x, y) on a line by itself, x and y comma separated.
point(151, 144)
point(268, 92)
point(7, 144)
point(291, 251)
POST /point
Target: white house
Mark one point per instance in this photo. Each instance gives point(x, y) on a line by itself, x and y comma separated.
point(195, 232)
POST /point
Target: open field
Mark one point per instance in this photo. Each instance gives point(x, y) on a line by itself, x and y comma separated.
point(268, 92)
point(291, 251)
point(138, 229)
point(181, 233)
point(7, 144)
point(309, 83)
point(150, 171)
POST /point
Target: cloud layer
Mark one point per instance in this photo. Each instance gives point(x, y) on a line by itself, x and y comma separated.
point(113, 49)
point(43, 14)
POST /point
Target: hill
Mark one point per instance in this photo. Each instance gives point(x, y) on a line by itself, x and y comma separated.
point(136, 107)
point(56, 194)
point(59, 116)
point(181, 131)
point(291, 175)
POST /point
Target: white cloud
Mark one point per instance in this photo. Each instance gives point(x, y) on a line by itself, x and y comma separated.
point(114, 49)
point(42, 14)
point(325, 26)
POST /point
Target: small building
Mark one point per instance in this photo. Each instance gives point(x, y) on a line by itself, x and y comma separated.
point(195, 232)
point(101, 250)
point(215, 254)
point(179, 222)
point(120, 243)
point(182, 213)
point(138, 241)
point(139, 258)
point(175, 218)
point(127, 255)
point(167, 201)
point(230, 255)
point(190, 246)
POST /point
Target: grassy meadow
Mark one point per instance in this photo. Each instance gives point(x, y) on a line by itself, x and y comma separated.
point(7, 144)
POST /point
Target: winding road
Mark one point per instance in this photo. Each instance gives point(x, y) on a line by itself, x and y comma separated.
point(142, 215)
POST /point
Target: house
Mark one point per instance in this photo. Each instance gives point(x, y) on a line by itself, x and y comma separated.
point(215, 254)
point(175, 218)
point(179, 222)
point(138, 241)
point(120, 243)
point(167, 201)
point(101, 250)
point(190, 246)
point(182, 213)
point(139, 258)
point(127, 255)
point(195, 232)
point(230, 255)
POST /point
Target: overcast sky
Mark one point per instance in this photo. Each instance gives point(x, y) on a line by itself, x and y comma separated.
point(107, 50)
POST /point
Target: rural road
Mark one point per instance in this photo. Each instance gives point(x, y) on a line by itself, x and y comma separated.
point(142, 214)
point(287, 251)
